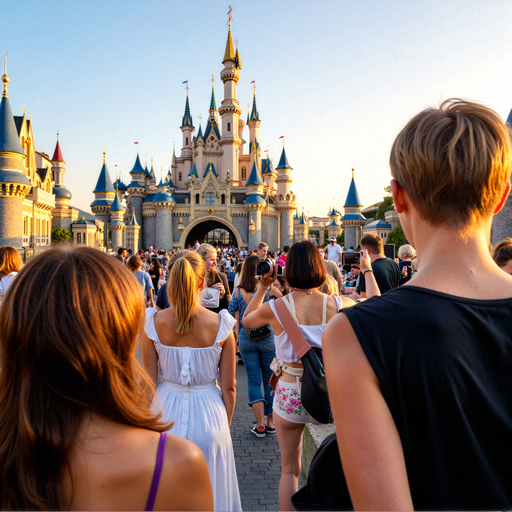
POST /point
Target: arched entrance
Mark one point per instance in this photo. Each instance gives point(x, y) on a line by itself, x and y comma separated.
point(211, 232)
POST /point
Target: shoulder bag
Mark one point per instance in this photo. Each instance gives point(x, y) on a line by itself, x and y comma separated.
point(258, 333)
point(313, 393)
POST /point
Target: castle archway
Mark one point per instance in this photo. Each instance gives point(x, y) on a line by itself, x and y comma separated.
point(211, 230)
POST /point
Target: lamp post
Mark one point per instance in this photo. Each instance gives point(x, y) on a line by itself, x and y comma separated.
point(181, 226)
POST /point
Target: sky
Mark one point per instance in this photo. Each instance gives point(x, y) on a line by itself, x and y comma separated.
point(339, 79)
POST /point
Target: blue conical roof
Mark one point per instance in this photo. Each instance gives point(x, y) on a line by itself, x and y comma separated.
point(209, 168)
point(200, 133)
point(333, 212)
point(133, 220)
point(104, 182)
point(187, 117)
point(193, 171)
point(213, 104)
point(162, 184)
point(283, 161)
point(255, 115)
point(352, 196)
point(117, 206)
point(9, 140)
point(296, 217)
point(137, 167)
point(254, 177)
point(163, 197)
point(119, 185)
point(254, 199)
point(302, 219)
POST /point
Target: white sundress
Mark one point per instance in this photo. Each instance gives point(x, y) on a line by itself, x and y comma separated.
point(188, 395)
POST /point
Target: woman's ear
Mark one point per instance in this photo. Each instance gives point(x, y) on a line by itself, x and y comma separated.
point(504, 197)
point(398, 196)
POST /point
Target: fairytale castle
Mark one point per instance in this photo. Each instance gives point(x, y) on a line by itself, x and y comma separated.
point(218, 190)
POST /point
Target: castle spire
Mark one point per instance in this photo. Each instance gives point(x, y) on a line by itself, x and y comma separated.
point(213, 104)
point(255, 115)
point(57, 154)
point(229, 54)
point(5, 78)
point(187, 117)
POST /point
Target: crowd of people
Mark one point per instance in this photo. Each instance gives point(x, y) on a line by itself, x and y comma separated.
point(417, 353)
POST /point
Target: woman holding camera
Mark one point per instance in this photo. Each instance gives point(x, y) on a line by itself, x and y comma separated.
point(256, 346)
point(214, 278)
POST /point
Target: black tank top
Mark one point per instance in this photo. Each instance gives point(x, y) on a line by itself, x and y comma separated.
point(444, 364)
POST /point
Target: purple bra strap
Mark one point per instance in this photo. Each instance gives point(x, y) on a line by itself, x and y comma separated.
point(158, 471)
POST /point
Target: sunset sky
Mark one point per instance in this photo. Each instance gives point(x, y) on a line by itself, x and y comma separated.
point(338, 79)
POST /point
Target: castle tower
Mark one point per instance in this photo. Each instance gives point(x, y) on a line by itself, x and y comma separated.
point(62, 195)
point(353, 220)
point(132, 235)
point(230, 110)
point(137, 189)
point(302, 229)
point(254, 204)
point(187, 127)
point(254, 133)
point(333, 228)
point(104, 194)
point(164, 204)
point(199, 150)
point(285, 200)
point(117, 224)
point(14, 185)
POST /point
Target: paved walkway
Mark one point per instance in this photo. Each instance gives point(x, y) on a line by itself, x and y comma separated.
point(258, 461)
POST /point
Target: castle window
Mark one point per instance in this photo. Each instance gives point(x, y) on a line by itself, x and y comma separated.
point(229, 127)
point(197, 198)
point(222, 199)
point(244, 173)
point(179, 176)
point(210, 199)
point(186, 141)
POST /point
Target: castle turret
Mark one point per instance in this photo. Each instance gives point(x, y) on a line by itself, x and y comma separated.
point(132, 234)
point(187, 127)
point(230, 110)
point(254, 132)
point(164, 204)
point(104, 194)
point(352, 220)
point(62, 194)
point(137, 189)
point(116, 224)
point(14, 185)
point(285, 200)
point(302, 229)
point(254, 204)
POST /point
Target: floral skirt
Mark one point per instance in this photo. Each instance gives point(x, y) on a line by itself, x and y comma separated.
point(288, 405)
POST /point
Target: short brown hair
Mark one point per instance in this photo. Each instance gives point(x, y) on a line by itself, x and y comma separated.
point(373, 243)
point(502, 252)
point(134, 263)
point(248, 281)
point(453, 162)
point(305, 268)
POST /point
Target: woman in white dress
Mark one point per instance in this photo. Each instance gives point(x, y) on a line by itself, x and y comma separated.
point(190, 347)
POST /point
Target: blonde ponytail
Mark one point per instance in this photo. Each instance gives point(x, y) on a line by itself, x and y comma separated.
point(186, 276)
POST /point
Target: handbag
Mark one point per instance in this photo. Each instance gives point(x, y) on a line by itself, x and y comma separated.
point(313, 394)
point(258, 333)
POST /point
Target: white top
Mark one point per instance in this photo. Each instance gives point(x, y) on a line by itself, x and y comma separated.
point(5, 283)
point(333, 252)
point(312, 333)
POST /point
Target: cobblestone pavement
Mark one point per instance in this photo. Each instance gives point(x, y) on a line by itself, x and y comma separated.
point(258, 461)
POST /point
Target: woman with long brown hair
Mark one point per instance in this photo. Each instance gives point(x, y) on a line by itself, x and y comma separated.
point(192, 348)
point(257, 354)
point(76, 430)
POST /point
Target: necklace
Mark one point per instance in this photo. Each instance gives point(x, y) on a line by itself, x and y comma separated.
point(309, 292)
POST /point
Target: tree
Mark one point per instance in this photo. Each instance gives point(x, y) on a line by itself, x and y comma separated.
point(384, 207)
point(61, 235)
point(397, 237)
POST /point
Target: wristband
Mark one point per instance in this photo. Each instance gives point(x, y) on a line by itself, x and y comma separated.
point(366, 271)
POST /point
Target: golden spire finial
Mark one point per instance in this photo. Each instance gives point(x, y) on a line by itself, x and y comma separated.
point(117, 180)
point(187, 88)
point(24, 109)
point(254, 87)
point(104, 153)
point(352, 173)
point(5, 78)
point(230, 18)
point(213, 79)
point(200, 117)
point(57, 132)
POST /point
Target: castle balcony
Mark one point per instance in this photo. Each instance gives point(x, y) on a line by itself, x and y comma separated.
point(44, 199)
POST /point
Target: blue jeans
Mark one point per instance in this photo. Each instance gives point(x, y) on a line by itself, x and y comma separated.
point(257, 356)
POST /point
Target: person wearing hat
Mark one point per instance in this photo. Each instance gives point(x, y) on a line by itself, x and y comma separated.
point(332, 269)
point(333, 251)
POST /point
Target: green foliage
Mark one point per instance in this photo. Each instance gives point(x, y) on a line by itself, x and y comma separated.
point(370, 214)
point(388, 191)
point(61, 235)
point(384, 207)
point(326, 238)
point(397, 237)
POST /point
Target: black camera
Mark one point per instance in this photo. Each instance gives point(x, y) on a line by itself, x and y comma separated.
point(350, 258)
point(264, 266)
